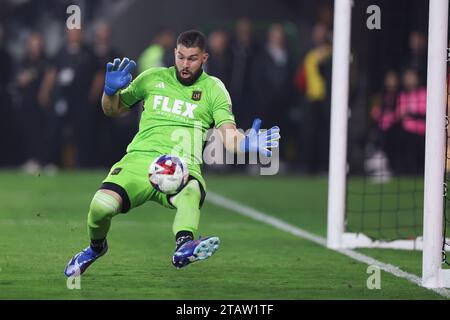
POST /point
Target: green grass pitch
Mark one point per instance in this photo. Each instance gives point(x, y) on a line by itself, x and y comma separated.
point(43, 223)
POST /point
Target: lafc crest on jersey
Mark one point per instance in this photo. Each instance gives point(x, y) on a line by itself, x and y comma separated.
point(196, 95)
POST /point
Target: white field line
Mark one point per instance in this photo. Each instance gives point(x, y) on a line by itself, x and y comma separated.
point(241, 209)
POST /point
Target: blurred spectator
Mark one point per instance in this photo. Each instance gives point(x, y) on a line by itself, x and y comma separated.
point(102, 44)
point(6, 120)
point(219, 62)
point(104, 53)
point(31, 114)
point(5, 65)
point(271, 77)
point(313, 80)
point(272, 88)
point(325, 16)
point(72, 97)
point(242, 49)
point(411, 110)
point(384, 112)
point(66, 90)
point(159, 53)
point(417, 56)
point(111, 135)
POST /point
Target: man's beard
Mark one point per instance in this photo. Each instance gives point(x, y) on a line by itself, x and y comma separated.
point(189, 81)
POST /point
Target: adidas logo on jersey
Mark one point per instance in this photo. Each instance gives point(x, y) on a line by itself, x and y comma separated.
point(160, 85)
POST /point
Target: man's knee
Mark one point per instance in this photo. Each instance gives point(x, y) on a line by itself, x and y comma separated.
point(190, 194)
point(103, 206)
point(192, 189)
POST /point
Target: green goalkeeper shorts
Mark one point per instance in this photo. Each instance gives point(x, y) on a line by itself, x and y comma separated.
point(129, 178)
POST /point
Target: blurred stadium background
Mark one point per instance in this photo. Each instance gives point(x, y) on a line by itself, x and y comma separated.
point(275, 59)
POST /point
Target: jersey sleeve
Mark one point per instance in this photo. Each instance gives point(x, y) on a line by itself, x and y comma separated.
point(221, 105)
point(136, 91)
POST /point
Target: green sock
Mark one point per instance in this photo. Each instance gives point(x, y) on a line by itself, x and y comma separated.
point(188, 211)
point(103, 208)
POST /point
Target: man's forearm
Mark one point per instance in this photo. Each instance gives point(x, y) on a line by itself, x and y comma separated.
point(254, 141)
point(231, 138)
point(111, 105)
point(235, 141)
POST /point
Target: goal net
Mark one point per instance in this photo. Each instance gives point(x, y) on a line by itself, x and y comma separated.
point(381, 201)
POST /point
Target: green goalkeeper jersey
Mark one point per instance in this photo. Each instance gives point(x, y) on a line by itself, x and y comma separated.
point(176, 118)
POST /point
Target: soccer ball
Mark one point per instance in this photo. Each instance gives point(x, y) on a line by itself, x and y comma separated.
point(168, 174)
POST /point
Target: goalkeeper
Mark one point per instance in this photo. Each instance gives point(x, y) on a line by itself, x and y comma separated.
point(182, 97)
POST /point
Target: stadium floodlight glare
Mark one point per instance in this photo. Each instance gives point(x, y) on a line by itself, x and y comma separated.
point(433, 276)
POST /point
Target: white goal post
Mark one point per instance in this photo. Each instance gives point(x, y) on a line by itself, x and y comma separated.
point(338, 126)
point(433, 275)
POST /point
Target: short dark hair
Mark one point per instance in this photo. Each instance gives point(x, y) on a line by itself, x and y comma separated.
point(192, 39)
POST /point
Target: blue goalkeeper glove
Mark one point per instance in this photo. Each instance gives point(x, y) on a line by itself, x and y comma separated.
point(118, 75)
point(262, 142)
